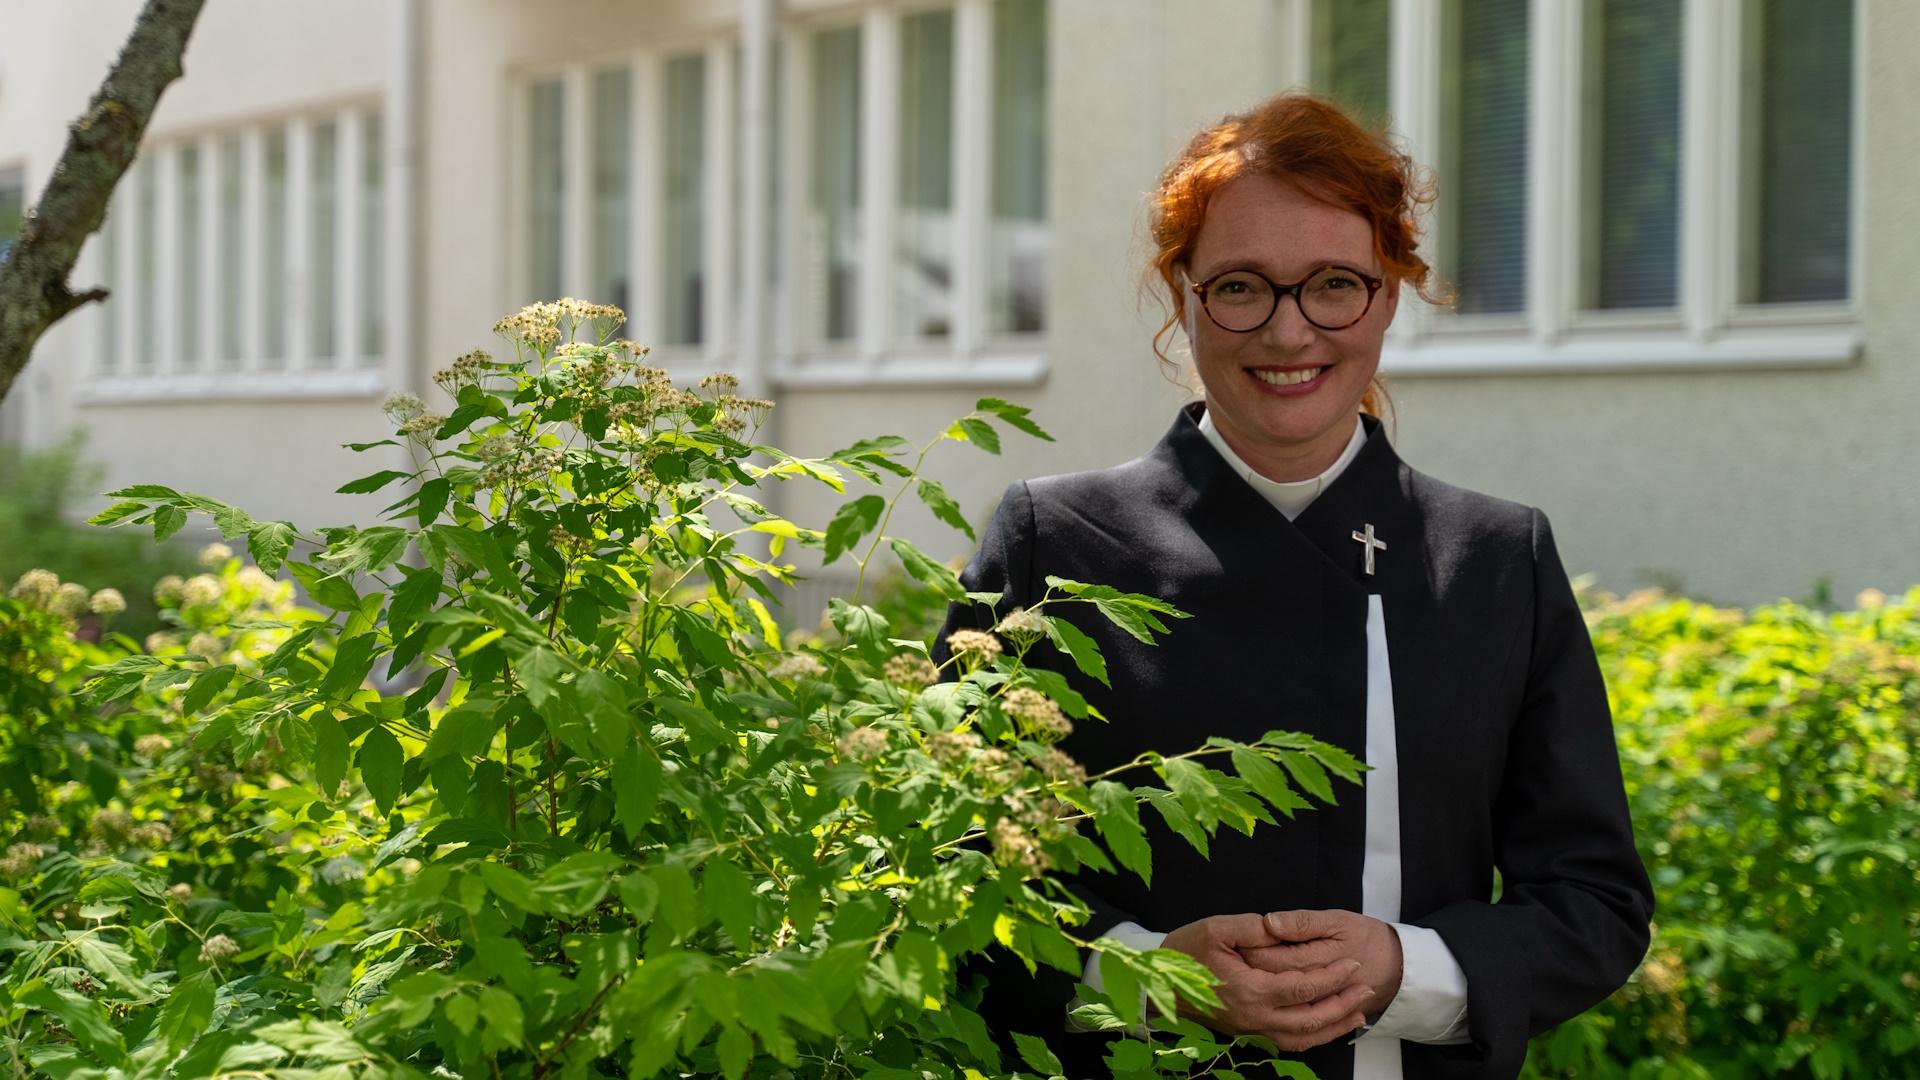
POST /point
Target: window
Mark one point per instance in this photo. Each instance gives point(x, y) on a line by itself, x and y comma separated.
point(906, 214)
point(12, 207)
point(251, 253)
point(1620, 181)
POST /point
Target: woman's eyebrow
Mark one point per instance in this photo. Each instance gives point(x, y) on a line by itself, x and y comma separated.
point(1256, 263)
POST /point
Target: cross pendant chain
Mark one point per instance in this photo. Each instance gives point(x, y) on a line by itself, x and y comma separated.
point(1370, 543)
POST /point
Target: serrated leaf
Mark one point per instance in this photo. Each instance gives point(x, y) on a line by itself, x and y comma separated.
point(168, 520)
point(866, 629)
point(851, 522)
point(1116, 815)
point(1309, 774)
point(1268, 781)
point(188, 1011)
point(1035, 1053)
point(371, 483)
point(269, 542)
point(352, 660)
point(943, 506)
point(83, 1018)
point(926, 571)
point(1014, 415)
point(330, 753)
point(1177, 818)
point(976, 431)
point(636, 789)
point(205, 688)
point(726, 892)
point(118, 512)
point(380, 762)
point(1071, 640)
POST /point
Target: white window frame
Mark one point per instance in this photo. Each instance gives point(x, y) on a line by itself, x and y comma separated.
point(646, 68)
point(351, 374)
point(1708, 328)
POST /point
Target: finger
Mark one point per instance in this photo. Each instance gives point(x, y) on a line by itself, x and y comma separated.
point(1303, 987)
point(1297, 957)
point(1240, 931)
point(1301, 925)
point(1317, 1016)
point(1295, 1043)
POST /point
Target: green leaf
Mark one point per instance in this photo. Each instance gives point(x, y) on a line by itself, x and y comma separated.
point(168, 520)
point(636, 789)
point(352, 660)
point(1071, 640)
point(1035, 1053)
point(380, 763)
point(269, 542)
point(188, 1011)
point(463, 732)
point(512, 886)
point(206, 688)
point(83, 1018)
point(325, 589)
point(371, 483)
point(330, 752)
point(1177, 818)
point(866, 629)
point(735, 1051)
point(976, 431)
point(117, 513)
point(1268, 781)
point(726, 892)
point(1014, 415)
point(1309, 774)
point(935, 575)
point(943, 506)
point(411, 600)
point(371, 549)
point(506, 1023)
point(1116, 814)
point(851, 522)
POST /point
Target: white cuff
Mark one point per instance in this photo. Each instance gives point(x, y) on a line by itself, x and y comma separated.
point(1431, 1006)
point(1134, 936)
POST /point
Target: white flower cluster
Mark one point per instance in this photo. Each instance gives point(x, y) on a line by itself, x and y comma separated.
point(43, 589)
point(796, 667)
point(974, 648)
point(910, 670)
point(863, 744)
point(1039, 717)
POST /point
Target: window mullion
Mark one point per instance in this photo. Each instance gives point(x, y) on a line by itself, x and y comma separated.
point(1709, 121)
point(1292, 37)
point(716, 235)
point(210, 300)
point(253, 199)
point(1414, 91)
point(795, 161)
point(299, 229)
point(1552, 160)
point(577, 183)
point(646, 176)
point(126, 283)
point(346, 223)
point(166, 259)
point(973, 170)
point(756, 56)
point(879, 175)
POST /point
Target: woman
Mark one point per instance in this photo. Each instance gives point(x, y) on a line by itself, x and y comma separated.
point(1335, 591)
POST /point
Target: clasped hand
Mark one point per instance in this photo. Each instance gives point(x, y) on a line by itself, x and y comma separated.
point(1300, 978)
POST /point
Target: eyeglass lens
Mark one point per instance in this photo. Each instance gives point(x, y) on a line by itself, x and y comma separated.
point(1331, 299)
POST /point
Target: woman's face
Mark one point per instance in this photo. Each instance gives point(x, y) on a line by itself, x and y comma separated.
point(1278, 425)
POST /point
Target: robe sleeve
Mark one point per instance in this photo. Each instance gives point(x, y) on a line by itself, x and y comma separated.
point(1004, 564)
point(1571, 923)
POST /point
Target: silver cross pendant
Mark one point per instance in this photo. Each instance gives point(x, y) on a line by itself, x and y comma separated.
point(1371, 543)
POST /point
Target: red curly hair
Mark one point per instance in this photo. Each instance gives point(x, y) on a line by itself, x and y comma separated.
point(1313, 143)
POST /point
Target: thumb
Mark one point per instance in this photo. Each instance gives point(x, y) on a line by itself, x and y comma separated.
point(1242, 932)
point(1299, 925)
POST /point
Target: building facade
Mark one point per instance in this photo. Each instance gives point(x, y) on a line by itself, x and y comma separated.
point(1674, 229)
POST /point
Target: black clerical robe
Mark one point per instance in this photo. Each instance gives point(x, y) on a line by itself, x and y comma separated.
point(1505, 745)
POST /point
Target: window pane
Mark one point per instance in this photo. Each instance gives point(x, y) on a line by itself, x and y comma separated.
point(109, 359)
point(1799, 149)
point(1631, 255)
point(923, 255)
point(1483, 183)
point(1017, 273)
point(323, 243)
point(832, 226)
point(146, 268)
point(612, 127)
point(1352, 51)
point(546, 189)
point(232, 255)
point(12, 198)
point(373, 231)
point(187, 313)
point(683, 268)
point(273, 275)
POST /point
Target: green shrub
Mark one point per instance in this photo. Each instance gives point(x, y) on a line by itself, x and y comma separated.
point(39, 493)
point(1770, 762)
point(619, 830)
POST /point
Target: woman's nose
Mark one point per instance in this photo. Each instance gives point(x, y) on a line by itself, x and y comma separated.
point(1288, 330)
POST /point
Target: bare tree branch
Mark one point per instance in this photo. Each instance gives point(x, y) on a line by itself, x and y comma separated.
point(100, 146)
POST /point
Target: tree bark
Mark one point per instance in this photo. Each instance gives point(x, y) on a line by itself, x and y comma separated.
point(100, 146)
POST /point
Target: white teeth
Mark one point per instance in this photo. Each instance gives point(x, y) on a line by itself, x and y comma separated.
point(1287, 378)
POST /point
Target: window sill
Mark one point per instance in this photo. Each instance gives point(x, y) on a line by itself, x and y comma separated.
point(1024, 368)
point(230, 386)
point(1769, 349)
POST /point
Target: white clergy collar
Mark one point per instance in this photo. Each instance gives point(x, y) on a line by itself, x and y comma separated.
point(1291, 498)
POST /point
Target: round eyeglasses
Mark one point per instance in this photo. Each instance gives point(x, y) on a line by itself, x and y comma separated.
point(1331, 298)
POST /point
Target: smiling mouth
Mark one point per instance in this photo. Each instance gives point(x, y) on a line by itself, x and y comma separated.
point(1286, 378)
